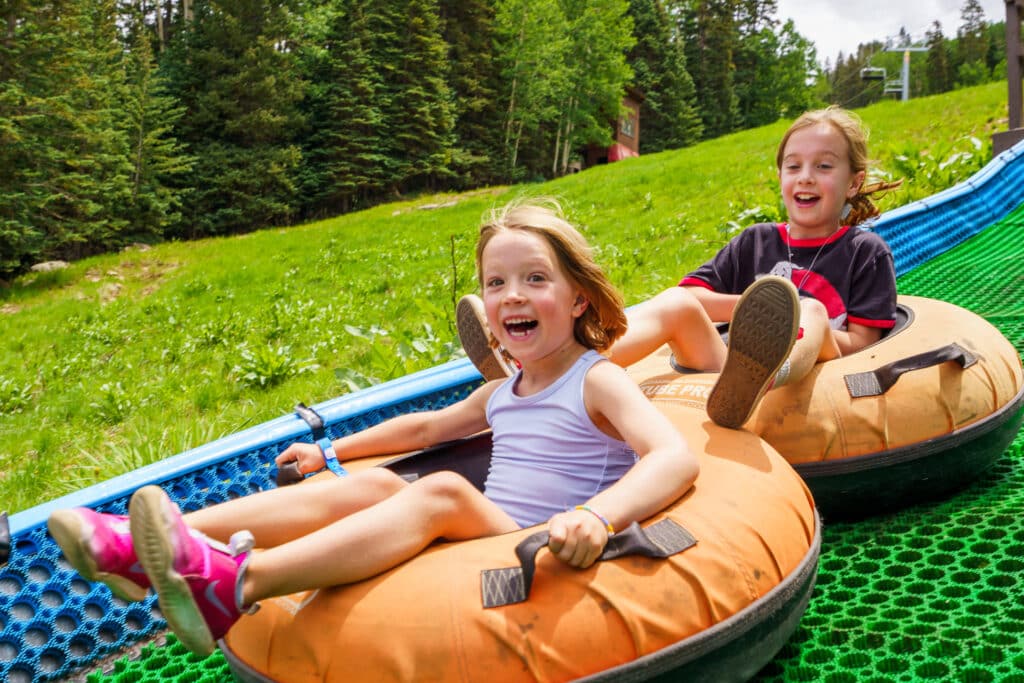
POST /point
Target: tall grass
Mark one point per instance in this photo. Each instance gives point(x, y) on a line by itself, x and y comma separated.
point(125, 359)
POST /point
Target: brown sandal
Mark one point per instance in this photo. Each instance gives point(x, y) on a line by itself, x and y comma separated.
point(762, 333)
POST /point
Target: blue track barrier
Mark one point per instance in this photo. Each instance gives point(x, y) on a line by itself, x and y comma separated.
point(921, 230)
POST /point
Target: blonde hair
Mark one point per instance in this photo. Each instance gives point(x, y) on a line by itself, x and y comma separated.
point(851, 127)
point(604, 319)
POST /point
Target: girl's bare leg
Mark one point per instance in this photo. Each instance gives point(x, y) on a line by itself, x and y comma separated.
point(816, 345)
point(377, 538)
point(677, 318)
point(280, 515)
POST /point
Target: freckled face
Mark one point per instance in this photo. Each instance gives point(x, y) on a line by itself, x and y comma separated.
point(816, 180)
point(530, 302)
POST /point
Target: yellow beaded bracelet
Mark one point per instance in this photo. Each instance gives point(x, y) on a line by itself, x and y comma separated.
point(604, 520)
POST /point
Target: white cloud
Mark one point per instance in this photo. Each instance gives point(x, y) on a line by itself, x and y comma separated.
point(842, 25)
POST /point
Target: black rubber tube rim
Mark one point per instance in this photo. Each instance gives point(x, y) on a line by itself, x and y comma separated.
point(915, 451)
point(787, 602)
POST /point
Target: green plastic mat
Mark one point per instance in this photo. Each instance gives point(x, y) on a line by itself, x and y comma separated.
point(930, 593)
point(168, 661)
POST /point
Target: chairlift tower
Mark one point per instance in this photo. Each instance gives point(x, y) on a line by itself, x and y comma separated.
point(904, 83)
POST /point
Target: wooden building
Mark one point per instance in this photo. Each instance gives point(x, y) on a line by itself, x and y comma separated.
point(1014, 73)
point(626, 138)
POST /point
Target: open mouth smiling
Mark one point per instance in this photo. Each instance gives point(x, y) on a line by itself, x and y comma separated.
point(518, 327)
point(804, 199)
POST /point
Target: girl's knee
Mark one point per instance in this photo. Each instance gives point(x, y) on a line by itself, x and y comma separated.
point(677, 305)
point(812, 309)
point(814, 320)
point(453, 508)
point(379, 479)
point(443, 485)
point(679, 298)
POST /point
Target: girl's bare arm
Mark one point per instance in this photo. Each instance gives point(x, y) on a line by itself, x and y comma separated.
point(665, 471)
point(408, 432)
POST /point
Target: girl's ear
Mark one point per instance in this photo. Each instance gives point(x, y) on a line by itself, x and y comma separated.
point(855, 184)
point(580, 305)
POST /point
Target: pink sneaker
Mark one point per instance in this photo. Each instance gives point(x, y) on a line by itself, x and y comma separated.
point(99, 547)
point(197, 580)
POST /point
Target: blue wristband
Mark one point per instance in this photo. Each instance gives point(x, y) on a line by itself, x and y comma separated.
point(331, 457)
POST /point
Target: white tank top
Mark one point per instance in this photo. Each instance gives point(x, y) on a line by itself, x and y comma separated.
point(548, 456)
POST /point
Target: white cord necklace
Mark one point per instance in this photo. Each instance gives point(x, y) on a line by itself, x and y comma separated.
point(792, 264)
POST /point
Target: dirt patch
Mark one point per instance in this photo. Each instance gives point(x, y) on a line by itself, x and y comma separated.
point(110, 291)
point(113, 281)
point(449, 200)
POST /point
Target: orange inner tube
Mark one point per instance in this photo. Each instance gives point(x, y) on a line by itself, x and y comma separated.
point(751, 514)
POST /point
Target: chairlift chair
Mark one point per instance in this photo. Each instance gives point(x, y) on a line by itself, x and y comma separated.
point(872, 73)
point(894, 87)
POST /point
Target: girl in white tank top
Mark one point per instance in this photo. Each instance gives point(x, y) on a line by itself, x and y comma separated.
point(561, 430)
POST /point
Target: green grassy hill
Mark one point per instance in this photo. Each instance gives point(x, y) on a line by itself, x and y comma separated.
point(125, 359)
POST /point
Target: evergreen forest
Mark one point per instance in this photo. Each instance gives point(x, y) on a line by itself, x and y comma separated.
point(140, 121)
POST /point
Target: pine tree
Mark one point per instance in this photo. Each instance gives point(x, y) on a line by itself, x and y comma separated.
point(102, 153)
point(415, 100)
point(343, 152)
point(25, 53)
point(97, 161)
point(847, 86)
point(972, 43)
point(241, 92)
point(159, 162)
point(939, 76)
point(755, 60)
point(710, 39)
point(767, 53)
point(903, 38)
point(468, 27)
point(995, 57)
point(668, 114)
point(972, 35)
point(64, 157)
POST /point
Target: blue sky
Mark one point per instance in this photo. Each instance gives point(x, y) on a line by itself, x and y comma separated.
point(834, 25)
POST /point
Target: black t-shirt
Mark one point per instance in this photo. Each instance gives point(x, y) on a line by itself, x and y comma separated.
point(851, 271)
